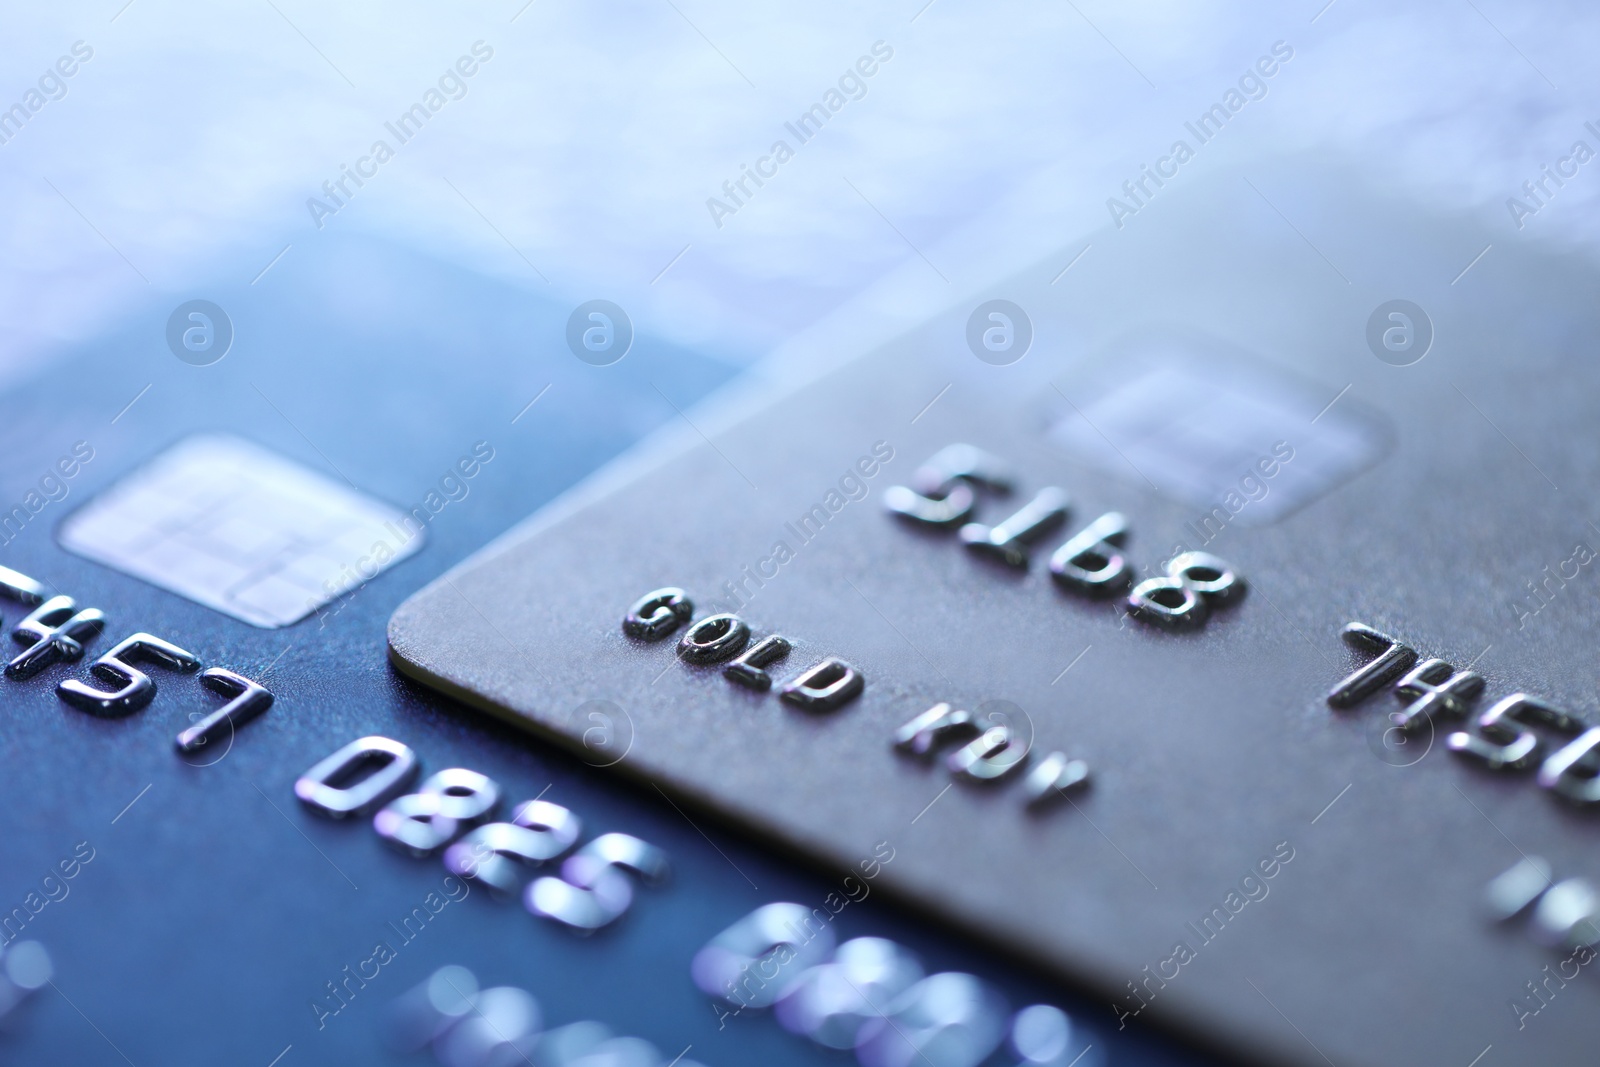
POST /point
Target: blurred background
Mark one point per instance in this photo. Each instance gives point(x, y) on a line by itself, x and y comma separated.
point(577, 162)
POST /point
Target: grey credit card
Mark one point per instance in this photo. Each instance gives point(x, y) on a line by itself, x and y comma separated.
point(1062, 583)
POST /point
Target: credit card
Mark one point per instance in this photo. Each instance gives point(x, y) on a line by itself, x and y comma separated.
point(175, 889)
point(1163, 609)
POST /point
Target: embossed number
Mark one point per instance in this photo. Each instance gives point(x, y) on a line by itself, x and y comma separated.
point(137, 688)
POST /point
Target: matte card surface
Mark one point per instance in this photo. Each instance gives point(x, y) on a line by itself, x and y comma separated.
point(1179, 652)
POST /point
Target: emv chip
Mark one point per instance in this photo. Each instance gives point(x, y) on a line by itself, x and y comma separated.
point(240, 529)
point(1240, 440)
